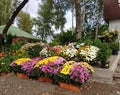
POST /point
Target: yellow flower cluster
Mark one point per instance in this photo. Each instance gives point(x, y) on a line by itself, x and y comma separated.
point(20, 52)
point(46, 60)
point(21, 60)
point(66, 67)
point(87, 66)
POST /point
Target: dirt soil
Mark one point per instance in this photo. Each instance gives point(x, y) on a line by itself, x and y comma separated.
point(12, 85)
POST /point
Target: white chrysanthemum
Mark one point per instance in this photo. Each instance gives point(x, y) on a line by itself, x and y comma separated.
point(89, 53)
point(44, 52)
point(70, 52)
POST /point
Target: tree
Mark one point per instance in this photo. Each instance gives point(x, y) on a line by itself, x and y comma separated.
point(69, 4)
point(78, 18)
point(25, 22)
point(50, 14)
point(14, 14)
point(43, 21)
point(92, 17)
point(5, 11)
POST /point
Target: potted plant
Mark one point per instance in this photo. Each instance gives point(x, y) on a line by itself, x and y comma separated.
point(19, 67)
point(72, 76)
point(114, 47)
point(68, 52)
point(4, 64)
point(103, 54)
point(51, 66)
point(87, 53)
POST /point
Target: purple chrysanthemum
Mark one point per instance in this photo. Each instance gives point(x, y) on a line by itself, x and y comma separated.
point(79, 74)
point(29, 65)
point(53, 67)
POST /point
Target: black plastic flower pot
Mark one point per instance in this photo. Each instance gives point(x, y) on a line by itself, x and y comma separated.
point(105, 65)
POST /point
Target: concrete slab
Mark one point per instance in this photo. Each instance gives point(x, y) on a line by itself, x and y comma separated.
point(106, 75)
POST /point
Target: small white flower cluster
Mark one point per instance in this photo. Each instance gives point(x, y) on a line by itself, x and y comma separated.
point(68, 52)
point(44, 52)
point(79, 45)
point(89, 53)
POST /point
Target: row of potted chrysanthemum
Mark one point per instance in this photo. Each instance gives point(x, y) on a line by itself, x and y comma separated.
point(86, 53)
point(55, 68)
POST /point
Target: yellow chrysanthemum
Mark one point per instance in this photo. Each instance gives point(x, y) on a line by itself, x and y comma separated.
point(21, 60)
point(67, 66)
point(46, 60)
point(87, 66)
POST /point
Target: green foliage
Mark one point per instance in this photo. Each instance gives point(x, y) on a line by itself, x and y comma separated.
point(34, 51)
point(25, 22)
point(65, 37)
point(5, 62)
point(110, 36)
point(96, 42)
point(36, 72)
point(104, 53)
point(62, 78)
point(16, 45)
point(50, 14)
point(5, 11)
point(17, 69)
point(114, 46)
point(20, 54)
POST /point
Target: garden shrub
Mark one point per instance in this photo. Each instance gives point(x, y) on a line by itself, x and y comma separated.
point(104, 53)
point(66, 37)
point(114, 46)
point(34, 51)
point(5, 62)
point(17, 43)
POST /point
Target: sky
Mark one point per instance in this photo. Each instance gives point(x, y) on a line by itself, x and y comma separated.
point(32, 6)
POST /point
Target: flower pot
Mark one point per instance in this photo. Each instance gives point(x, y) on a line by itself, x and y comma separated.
point(69, 87)
point(115, 52)
point(1, 54)
point(3, 73)
point(105, 65)
point(44, 79)
point(21, 75)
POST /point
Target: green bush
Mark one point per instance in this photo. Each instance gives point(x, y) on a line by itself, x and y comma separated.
point(16, 45)
point(104, 53)
point(34, 51)
point(114, 47)
point(65, 37)
point(5, 62)
point(96, 42)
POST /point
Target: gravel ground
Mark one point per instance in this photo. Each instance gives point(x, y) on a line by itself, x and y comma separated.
point(12, 85)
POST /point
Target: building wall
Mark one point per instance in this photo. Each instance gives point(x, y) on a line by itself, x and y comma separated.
point(115, 24)
point(111, 10)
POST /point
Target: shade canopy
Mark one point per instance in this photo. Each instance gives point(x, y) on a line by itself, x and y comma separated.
point(15, 31)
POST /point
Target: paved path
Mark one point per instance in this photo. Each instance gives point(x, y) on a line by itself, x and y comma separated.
point(116, 75)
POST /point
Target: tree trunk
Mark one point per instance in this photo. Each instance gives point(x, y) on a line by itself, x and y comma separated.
point(14, 14)
point(97, 26)
point(78, 19)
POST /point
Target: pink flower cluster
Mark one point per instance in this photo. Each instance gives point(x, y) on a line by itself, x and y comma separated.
point(29, 65)
point(79, 74)
point(53, 67)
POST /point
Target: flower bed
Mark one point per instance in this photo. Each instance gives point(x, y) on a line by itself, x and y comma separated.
point(55, 68)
